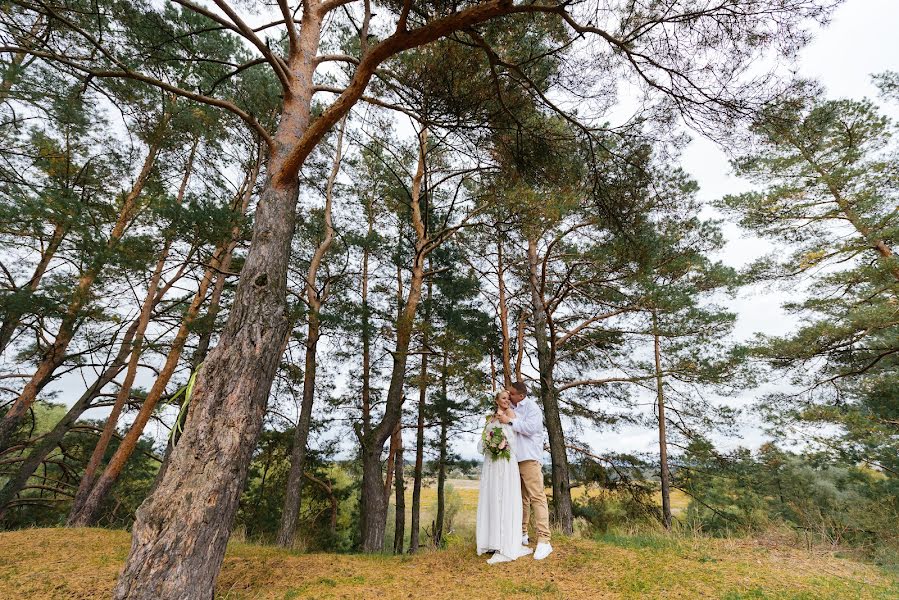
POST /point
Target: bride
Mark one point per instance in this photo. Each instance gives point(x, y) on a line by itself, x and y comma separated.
point(499, 499)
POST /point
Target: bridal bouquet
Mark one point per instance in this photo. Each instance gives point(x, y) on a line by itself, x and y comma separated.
point(495, 442)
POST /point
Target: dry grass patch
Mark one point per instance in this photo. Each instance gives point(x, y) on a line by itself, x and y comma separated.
point(83, 563)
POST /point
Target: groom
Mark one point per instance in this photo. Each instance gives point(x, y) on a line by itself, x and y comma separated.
point(528, 424)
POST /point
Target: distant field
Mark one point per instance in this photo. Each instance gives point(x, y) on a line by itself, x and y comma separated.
point(467, 490)
point(76, 564)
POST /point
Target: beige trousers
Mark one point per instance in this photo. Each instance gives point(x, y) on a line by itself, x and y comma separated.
point(533, 496)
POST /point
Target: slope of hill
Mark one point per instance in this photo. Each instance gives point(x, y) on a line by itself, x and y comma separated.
point(83, 563)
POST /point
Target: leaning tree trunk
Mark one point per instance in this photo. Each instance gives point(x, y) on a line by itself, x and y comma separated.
point(562, 508)
point(663, 441)
point(181, 530)
point(55, 354)
point(314, 300)
point(240, 206)
point(150, 300)
point(52, 438)
point(13, 316)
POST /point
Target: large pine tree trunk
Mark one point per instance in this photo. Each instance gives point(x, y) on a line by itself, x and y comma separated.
point(179, 537)
point(181, 530)
point(373, 504)
point(663, 440)
point(562, 508)
point(240, 206)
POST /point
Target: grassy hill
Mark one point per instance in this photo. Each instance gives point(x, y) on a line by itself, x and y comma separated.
point(64, 563)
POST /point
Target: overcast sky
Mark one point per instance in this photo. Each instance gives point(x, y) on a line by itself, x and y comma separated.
point(861, 40)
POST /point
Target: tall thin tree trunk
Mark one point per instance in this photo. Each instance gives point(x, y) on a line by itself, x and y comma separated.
point(314, 301)
point(399, 533)
point(441, 458)
point(150, 301)
point(663, 441)
point(55, 354)
point(51, 440)
point(415, 524)
point(562, 506)
point(503, 312)
point(374, 509)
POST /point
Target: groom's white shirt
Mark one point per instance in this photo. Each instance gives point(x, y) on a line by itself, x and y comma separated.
point(528, 424)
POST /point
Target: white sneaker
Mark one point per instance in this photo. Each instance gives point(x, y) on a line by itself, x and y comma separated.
point(498, 558)
point(542, 551)
point(524, 551)
point(524, 539)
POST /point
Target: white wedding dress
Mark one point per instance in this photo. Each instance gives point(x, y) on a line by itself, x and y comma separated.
point(498, 525)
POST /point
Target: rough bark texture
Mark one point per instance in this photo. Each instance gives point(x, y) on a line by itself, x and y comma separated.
point(562, 509)
point(179, 537)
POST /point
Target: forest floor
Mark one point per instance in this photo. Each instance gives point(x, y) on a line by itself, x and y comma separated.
point(83, 563)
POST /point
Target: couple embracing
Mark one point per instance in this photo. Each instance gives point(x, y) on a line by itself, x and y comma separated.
point(511, 486)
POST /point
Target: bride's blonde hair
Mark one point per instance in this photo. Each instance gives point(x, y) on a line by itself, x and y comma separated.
point(496, 403)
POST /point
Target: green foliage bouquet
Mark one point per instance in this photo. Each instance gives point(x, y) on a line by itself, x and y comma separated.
point(495, 442)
